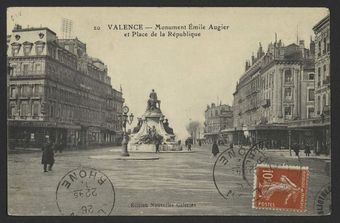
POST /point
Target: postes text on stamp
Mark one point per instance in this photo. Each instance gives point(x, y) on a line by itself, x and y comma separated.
point(280, 188)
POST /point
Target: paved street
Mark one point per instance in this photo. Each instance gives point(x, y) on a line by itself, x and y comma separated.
point(175, 177)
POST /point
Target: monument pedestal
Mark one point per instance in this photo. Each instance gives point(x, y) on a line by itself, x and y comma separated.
point(144, 148)
point(151, 129)
point(151, 148)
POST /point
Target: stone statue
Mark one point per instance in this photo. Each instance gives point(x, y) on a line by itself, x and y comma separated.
point(167, 127)
point(153, 102)
point(139, 125)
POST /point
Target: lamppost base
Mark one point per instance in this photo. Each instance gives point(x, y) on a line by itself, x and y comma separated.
point(124, 150)
point(125, 154)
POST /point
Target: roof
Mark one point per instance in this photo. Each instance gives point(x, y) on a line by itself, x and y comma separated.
point(321, 23)
point(33, 29)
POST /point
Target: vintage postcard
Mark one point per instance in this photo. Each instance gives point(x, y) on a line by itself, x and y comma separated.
point(137, 111)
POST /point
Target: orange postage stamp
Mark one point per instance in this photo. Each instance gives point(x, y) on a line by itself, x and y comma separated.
point(280, 187)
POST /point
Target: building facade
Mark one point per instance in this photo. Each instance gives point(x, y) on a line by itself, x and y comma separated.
point(276, 88)
point(217, 118)
point(315, 130)
point(56, 89)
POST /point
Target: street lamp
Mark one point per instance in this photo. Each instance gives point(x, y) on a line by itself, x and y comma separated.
point(125, 119)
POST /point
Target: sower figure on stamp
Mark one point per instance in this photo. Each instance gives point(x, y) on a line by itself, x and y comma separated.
point(47, 155)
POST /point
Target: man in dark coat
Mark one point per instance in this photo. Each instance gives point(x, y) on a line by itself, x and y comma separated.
point(296, 149)
point(157, 142)
point(47, 155)
point(215, 149)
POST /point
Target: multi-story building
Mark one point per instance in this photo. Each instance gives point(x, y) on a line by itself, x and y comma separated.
point(217, 118)
point(56, 89)
point(316, 129)
point(276, 88)
point(322, 66)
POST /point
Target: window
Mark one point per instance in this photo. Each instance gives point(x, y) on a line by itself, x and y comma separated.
point(25, 69)
point(325, 70)
point(311, 76)
point(35, 109)
point(318, 105)
point(27, 48)
point(39, 47)
point(26, 90)
point(311, 96)
point(23, 109)
point(12, 111)
point(37, 90)
point(13, 92)
point(288, 93)
point(324, 100)
point(38, 67)
point(288, 76)
point(324, 46)
point(319, 76)
point(310, 113)
point(319, 48)
point(15, 49)
point(328, 47)
point(51, 111)
point(288, 112)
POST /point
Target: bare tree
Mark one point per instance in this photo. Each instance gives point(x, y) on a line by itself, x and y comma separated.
point(193, 127)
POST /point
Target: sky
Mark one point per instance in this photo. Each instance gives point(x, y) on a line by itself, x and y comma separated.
point(187, 73)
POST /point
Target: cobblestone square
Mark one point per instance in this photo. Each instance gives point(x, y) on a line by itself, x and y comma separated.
point(184, 180)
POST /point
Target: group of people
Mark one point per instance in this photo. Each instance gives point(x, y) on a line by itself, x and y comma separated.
point(306, 148)
point(48, 150)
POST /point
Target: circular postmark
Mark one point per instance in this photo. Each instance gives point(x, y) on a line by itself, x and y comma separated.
point(234, 168)
point(85, 192)
point(322, 201)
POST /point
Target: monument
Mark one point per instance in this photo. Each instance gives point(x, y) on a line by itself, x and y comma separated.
point(152, 129)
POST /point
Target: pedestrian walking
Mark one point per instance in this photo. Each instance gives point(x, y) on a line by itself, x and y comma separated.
point(48, 155)
point(199, 143)
point(307, 150)
point(296, 149)
point(157, 145)
point(61, 146)
point(214, 150)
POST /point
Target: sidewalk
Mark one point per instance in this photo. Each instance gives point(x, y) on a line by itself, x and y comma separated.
point(302, 155)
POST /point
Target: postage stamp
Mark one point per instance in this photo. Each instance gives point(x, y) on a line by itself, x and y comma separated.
point(280, 188)
point(85, 192)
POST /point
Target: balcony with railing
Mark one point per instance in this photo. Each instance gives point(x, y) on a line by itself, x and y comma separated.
point(27, 74)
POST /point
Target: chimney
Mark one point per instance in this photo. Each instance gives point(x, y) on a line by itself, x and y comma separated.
point(312, 46)
point(17, 27)
point(260, 50)
point(252, 59)
point(247, 66)
point(302, 48)
point(302, 44)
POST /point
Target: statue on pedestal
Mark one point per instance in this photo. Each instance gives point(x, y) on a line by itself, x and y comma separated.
point(153, 131)
point(153, 102)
